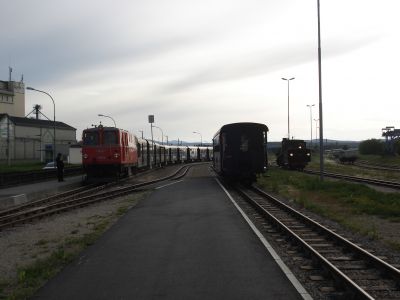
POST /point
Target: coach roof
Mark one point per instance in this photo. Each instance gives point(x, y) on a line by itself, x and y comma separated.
point(234, 126)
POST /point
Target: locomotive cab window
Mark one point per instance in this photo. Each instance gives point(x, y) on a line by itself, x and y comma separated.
point(110, 138)
point(91, 138)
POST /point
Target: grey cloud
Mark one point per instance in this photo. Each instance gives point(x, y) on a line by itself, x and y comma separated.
point(49, 41)
point(266, 61)
point(56, 55)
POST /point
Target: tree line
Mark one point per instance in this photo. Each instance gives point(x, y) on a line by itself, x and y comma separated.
point(379, 147)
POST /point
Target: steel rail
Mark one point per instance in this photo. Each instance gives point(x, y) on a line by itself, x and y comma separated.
point(376, 261)
point(389, 184)
point(39, 212)
point(344, 280)
point(376, 167)
point(63, 195)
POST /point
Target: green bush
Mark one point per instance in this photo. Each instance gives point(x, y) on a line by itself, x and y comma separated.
point(397, 147)
point(372, 146)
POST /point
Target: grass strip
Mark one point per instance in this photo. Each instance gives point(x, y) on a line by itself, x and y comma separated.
point(350, 204)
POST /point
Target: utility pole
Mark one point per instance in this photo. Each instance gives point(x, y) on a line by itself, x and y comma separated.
point(321, 131)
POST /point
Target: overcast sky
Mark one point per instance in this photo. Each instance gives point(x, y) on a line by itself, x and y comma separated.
point(197, 65)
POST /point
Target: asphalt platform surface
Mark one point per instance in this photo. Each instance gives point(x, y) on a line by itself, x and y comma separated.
point(24, 193)
point(185, 241)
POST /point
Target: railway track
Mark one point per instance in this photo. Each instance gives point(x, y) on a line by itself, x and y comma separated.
point(339, 268)
point(75, 199)
point(389, 184)
point(369, 165)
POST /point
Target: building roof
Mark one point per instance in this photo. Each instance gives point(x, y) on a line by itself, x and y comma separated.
point(37, 123)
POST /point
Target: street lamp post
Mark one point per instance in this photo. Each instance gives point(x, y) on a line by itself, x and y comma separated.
point(151, 121)
point(316, 128)
point(162, 134)
point(101, 115)
point(201, 137)
point(54, 119)
point(310, 106)
point(288, 124)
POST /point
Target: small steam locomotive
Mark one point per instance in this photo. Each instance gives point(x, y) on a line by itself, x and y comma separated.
point(293, 154)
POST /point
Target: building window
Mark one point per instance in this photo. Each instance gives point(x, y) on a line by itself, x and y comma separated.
point(6, 99)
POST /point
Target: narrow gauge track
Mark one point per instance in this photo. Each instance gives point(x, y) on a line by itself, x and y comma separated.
point(81, 191)
point(74, 199)
point(356, 273)
point(389, 184)
point(369, 165)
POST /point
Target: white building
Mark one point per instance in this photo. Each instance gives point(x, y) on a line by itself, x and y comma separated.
point(32, 139)
point(24, 138)
point(12, 98)
point(75, 154)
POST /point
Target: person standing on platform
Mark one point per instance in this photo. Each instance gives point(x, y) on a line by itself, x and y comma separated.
point(60, 167)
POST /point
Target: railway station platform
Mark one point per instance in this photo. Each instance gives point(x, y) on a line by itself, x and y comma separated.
point(27, 192)
point(186, 240)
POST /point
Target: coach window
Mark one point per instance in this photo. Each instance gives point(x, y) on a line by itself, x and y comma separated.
point(216, 145)
point(224, 143)
point(244, 143)
point(110, 138)
point(91, 138)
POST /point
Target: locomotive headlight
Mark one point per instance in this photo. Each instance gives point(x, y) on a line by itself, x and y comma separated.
point(308, 154)
point(116, 155)
point(291, 154)
point(85, 156)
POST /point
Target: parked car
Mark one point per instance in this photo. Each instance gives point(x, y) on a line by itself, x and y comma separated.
point(50, 166)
